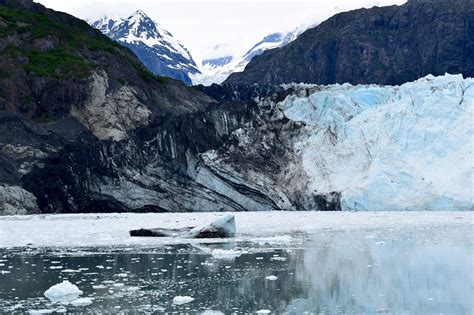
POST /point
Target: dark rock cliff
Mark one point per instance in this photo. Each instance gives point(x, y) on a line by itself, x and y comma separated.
point(388, 45)
point(85, 128)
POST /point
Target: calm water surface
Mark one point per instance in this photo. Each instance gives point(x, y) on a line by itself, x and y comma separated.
point(416, 271)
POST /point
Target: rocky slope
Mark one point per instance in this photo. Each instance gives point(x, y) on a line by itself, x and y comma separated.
point(388, 45)
point(155, 46)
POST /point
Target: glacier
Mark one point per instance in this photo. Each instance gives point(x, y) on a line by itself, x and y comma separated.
point(390, 148)
point(370, 147)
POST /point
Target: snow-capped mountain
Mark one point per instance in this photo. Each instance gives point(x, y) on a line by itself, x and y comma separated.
point(156, 47)
point(216, 70)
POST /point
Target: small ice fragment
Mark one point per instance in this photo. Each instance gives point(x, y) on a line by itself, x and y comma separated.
point(122, 275)
point(82, 302)
point(263, 312)
point(63, 292)
point(37, 312)
point(100, 267)
point(225, 253)
point(179, 300)
point(99, 287)
point(56, 267)
point(272, 278)
point(278, 258)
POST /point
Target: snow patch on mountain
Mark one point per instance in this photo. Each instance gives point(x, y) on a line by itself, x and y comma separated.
point(389, 148)
point(155, 46)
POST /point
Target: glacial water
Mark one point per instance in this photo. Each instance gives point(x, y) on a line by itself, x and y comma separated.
point(394, 271)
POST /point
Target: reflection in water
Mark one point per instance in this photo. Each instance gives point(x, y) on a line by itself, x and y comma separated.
point(362, 275)
point(369, 272)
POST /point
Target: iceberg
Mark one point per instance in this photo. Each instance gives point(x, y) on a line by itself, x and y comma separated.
point(179, 300)
point(272, 278)
point(221, 228)
point(64, 292)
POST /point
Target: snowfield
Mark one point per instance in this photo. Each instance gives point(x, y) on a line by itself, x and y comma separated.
point(271, 227)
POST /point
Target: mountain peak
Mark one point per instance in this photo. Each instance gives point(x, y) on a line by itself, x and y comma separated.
point(155, 46)
point(139, 12)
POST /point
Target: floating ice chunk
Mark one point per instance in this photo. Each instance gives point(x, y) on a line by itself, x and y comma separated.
point(263, 312)
point(225, 253)
point(63, 292)
point(272, 278)
point(211, 312)
point(122, 275)
point(99, 287)
point(274, 240)
point(278, 258)
point(82, 302)
point(179, 300)
point(220, 228)
point(44, 311)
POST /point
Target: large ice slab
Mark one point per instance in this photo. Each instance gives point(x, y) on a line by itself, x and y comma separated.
point(221, 228)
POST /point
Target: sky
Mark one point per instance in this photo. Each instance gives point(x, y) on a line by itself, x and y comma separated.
point(216, 28)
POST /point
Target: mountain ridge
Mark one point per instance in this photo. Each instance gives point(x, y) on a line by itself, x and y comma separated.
point(387, 45)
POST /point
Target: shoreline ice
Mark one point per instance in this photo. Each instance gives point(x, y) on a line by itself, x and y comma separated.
point(90, 230)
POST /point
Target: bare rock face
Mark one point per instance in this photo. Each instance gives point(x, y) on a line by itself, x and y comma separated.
point(111, 115)
point(389, 45)
point(14, 200)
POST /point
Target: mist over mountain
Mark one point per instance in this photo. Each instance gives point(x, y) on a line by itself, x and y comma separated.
point(216, 70)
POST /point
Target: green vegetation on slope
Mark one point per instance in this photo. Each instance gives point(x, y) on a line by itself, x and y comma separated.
point(71, 42)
